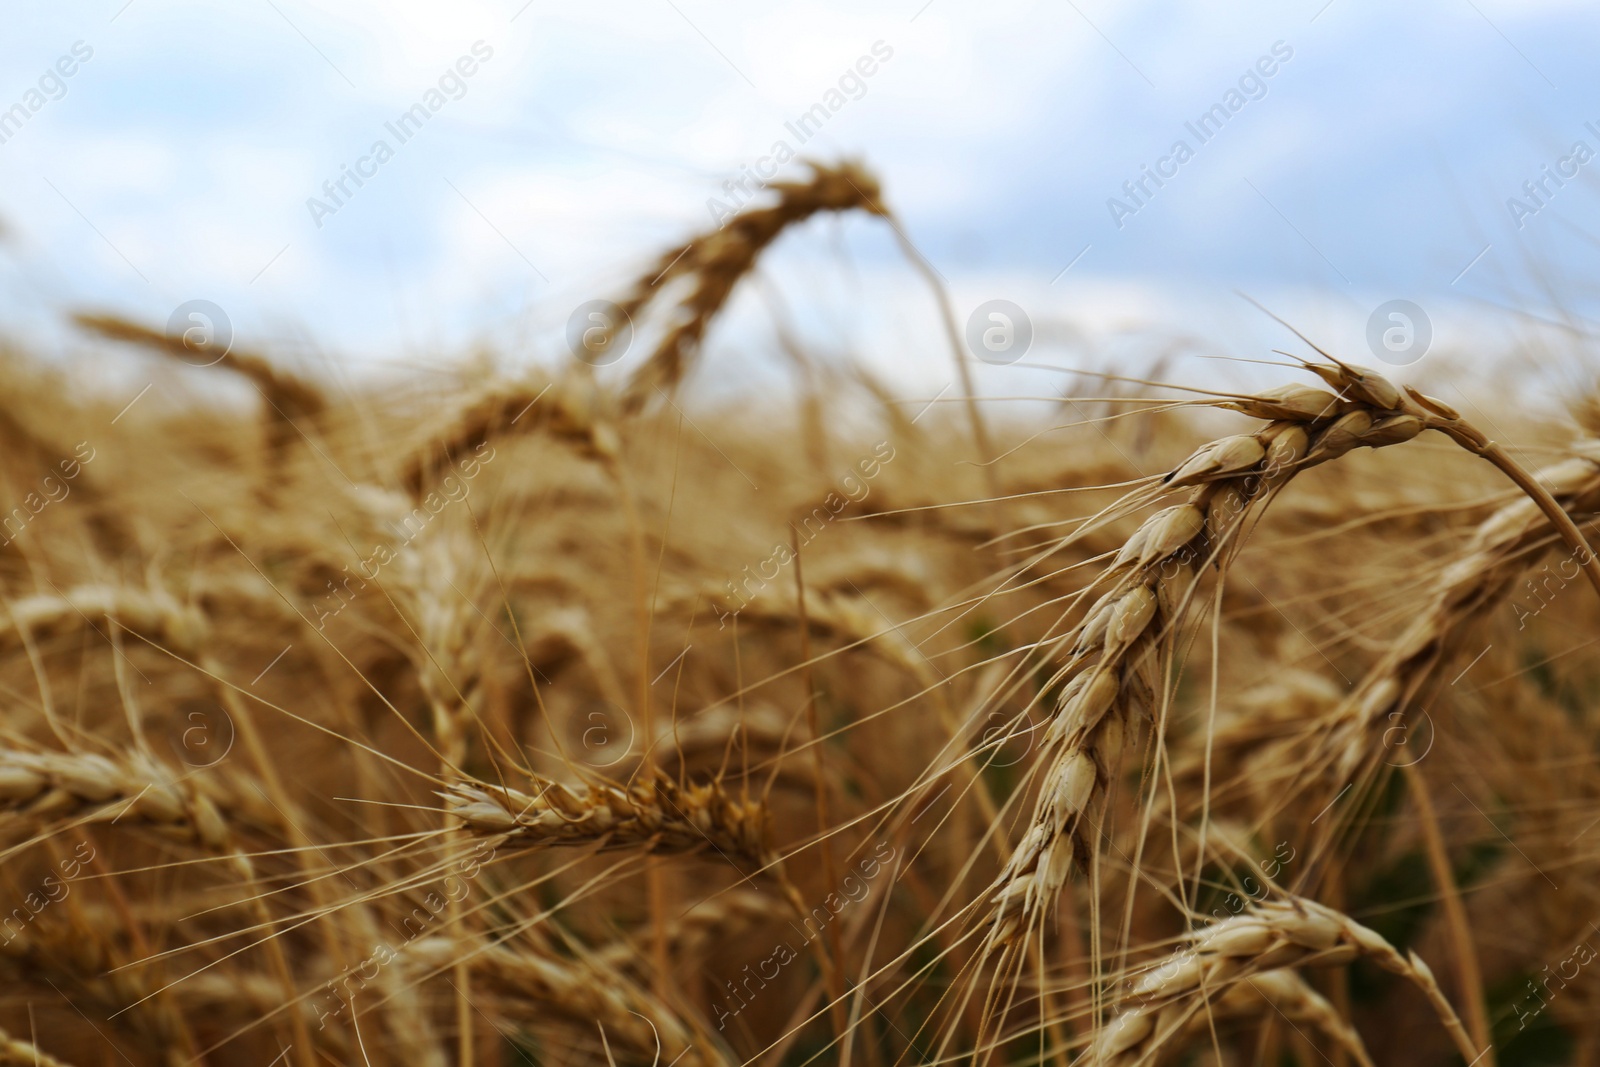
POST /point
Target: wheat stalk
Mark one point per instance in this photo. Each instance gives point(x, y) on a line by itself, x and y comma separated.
point(1268, 937)
point(39, 786)
point(287, 397)
point(152, 611)
point(1113, 650)
point(570, 408)
point(1504, 547)
point(715, 261)
point(1283, 992)
point(79, 957)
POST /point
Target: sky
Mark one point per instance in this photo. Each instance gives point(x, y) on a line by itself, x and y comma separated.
point(1441, 152)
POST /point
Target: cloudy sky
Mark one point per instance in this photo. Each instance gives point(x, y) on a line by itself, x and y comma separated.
point(1384, 157)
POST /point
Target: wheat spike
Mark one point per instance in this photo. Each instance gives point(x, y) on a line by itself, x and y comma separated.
point(1267, 937)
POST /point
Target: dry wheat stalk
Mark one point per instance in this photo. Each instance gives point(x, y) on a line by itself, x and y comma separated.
point(653, 812)
point(1296, 1001)
point(570, 408)
point(720, 733)
point(1278, 715)
point(1112, 661)
point(437, 582)
point(1476, 582)
point(1270, 936)
point(715, 261)
point(1503, 548)
point(1284, 992)
point(1113, 655)
point(79, 955)
point(1248, 734)
point(247, 996)
point(723, 916)
point(707, 733)
point(829, 613)
point(153, 612)
point(39, 787)
point(565, 633)
point(287, 396)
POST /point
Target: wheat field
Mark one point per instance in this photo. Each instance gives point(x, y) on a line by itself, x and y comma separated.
point(557, 717)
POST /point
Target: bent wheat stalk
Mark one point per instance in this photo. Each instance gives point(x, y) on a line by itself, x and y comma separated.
point(1113, 650)
point(1112, 662)
point(1291, 997)
point(1267, 938)
point(1504, 547)
point(714, 262)
point(288, 397)
point(568, 409)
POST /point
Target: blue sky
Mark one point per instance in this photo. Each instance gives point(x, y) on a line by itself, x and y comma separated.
point(1375, 163)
